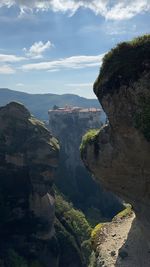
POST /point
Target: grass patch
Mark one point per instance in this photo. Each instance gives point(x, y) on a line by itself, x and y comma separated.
point(124, 213)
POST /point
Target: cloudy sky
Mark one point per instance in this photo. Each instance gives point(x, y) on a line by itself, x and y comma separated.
point(57, 46)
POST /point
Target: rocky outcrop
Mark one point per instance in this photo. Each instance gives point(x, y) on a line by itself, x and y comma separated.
point(73, 180)
point(28, 162)
point(119, 155)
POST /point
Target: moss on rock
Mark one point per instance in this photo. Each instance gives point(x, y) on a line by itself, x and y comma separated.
point(89, 138)
point(95, 234)
point(123, 65)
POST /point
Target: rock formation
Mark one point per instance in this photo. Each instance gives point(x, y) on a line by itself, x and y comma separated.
point(33, 233)
point(119, 155)
point(68, 125)
point(28, 161)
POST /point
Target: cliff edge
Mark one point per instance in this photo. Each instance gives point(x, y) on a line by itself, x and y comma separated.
point(28, 161)
point(119, 154)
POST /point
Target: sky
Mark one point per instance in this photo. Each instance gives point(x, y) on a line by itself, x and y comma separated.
point(57, 46)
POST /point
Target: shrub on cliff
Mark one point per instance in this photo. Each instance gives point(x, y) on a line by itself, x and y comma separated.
point(95, 234)
point(89, 137)
point(72, 231)
point(75, 219)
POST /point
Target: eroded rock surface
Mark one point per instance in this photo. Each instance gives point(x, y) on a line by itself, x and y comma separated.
point(28, 161)
point(119, 155)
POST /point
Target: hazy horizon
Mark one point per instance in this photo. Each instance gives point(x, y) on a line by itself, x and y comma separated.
point(42, 93)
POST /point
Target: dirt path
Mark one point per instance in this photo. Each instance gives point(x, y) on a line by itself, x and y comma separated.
point(121, 244)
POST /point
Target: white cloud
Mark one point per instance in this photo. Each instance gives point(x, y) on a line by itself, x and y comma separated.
point(6, 69)
point(37, 49)
point(128, 9)
point(74, 62)
point(10, 58)
point(110, 9)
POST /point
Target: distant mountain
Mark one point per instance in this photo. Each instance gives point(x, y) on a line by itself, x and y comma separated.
point(39, 104)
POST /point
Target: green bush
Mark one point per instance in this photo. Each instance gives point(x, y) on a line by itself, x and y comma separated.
point(78, 222)
point(72, 230)
point(87, 248)
point(15, 260)
point(88, 138)
point(74, 218)
point(61, 205)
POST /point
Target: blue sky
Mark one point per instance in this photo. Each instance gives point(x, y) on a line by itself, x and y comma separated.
point(57, 46)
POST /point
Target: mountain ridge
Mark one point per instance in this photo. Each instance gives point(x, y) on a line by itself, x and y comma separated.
point(39, 104)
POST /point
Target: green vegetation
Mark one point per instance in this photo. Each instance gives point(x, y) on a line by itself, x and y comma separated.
point(88, 138)
point(69, 250)
point(142, 117)
point(124, 213)
point(95, 234)
point(74, 218)
point(123, 65)
point(14, 260)
point(72, 230)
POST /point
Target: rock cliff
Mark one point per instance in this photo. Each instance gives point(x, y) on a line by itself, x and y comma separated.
point(119, 154)
point(28, 162)
point(73, 179)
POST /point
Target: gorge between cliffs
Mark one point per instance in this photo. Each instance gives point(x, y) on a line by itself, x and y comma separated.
point(55, 211)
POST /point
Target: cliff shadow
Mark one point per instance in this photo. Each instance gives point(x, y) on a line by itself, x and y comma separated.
point(134, 252)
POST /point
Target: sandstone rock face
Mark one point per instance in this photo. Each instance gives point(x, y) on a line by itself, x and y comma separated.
point(28, 162)
point(119, 155)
